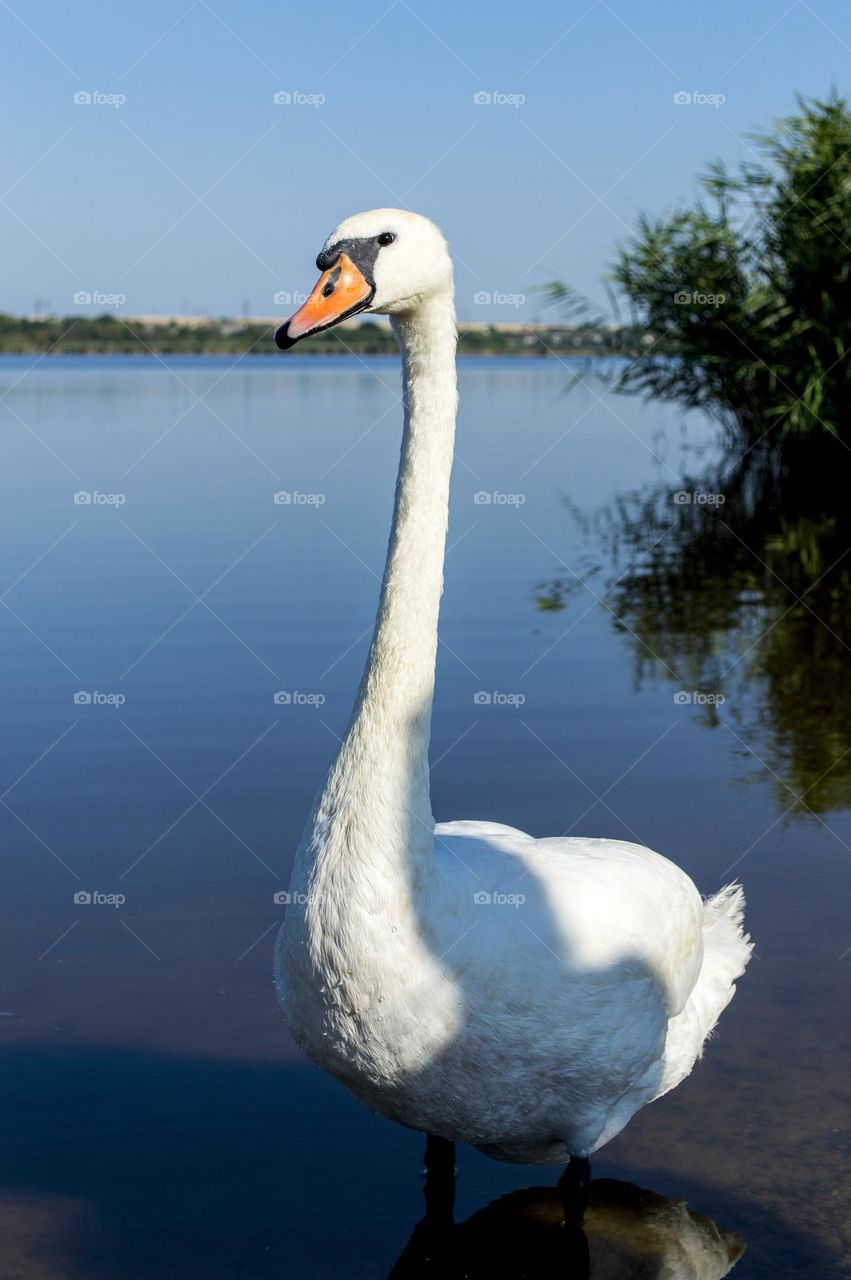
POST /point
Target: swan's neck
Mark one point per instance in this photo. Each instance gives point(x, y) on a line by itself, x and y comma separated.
point(376, 805)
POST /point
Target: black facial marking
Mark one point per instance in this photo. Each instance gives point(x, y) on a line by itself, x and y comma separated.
point(362, 251)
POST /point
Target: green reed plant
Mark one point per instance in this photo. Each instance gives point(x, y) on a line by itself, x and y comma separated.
point(744, 299)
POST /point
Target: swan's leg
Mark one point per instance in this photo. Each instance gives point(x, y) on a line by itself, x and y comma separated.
point(573, 1188)
point(439, 1180)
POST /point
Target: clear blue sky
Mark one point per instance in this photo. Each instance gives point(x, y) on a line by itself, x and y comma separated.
point(200, 192)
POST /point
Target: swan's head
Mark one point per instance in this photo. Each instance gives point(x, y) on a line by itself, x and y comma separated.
point(387, 261)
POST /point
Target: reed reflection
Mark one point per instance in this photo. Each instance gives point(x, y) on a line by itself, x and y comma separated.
point(735, 587)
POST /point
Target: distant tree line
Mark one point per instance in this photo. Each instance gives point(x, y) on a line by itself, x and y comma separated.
point(115, 335)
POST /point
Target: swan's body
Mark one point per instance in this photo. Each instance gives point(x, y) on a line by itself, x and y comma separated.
point(532, 1025)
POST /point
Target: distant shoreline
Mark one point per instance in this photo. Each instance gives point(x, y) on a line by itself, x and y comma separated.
point(313, 355)
point(114, 334)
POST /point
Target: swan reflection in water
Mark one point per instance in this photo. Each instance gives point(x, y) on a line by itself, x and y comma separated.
point(629, 1234)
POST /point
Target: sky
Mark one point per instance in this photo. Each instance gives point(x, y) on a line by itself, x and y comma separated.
point(190, 157)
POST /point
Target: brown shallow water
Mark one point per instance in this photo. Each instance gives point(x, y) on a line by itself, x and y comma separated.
point(156, 1120)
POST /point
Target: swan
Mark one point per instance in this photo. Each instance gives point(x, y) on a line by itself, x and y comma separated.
point(526, 996)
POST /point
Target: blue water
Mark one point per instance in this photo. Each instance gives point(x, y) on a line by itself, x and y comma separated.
point(158, 1122)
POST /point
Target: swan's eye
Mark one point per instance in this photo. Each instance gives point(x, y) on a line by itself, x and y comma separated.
point(386, 237)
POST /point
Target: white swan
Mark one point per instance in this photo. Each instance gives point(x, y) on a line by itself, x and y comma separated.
point(533, 1033)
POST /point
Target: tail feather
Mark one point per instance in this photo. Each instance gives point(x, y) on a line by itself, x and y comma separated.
point(726, 952)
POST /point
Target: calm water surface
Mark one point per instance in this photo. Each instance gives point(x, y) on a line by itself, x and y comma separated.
point(157, 1121)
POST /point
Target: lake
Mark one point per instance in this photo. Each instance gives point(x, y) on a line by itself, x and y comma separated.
point(180, 653)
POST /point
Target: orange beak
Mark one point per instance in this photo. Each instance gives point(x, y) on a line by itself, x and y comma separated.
point(341, 291)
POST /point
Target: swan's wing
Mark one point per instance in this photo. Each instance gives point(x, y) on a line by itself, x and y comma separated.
point(624, 898)
point(471, 830)
point(595, 903)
